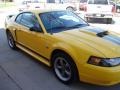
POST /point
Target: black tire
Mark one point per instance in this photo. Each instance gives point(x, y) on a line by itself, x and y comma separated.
point(109, 20)
point(11, 41)
point(67, 71)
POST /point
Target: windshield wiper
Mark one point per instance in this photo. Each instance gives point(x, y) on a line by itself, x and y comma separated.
point(77, 25)
point(57, 29)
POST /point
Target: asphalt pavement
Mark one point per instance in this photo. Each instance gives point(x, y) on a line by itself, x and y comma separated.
point(19, 71)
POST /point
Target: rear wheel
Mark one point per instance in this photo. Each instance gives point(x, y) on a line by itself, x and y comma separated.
point(11, 41)
point(64, 69)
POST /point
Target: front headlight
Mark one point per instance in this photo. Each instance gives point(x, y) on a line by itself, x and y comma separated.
point(105, 62)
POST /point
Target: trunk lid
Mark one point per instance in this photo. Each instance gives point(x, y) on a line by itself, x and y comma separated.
point(98, 6)
point(94, 8)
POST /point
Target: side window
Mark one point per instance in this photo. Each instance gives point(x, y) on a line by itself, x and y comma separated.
point(18, 19)
point(29, 20)
point(83, 1)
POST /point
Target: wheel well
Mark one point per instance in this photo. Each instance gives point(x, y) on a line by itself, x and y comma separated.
point(57, 51)
point(61, 51)
point(70, 7)
point(7, 30)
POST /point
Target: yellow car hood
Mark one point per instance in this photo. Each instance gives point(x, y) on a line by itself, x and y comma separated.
point(108, 44)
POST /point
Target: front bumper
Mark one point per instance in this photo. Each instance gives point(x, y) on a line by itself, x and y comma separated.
point(97, 15)
point(104, 76)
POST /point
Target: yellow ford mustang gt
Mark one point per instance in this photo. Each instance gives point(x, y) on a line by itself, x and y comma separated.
point(62, 40)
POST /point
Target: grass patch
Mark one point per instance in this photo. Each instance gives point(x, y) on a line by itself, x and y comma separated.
point(7, 4)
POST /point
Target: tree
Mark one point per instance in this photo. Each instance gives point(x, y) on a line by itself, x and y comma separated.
point(7, 0)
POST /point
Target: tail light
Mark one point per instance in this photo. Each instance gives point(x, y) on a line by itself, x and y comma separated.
point(113, 9)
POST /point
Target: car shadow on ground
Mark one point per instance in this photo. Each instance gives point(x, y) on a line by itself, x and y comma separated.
point(86, 86)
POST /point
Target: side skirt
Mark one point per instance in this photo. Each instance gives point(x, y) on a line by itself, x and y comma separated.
point(36, 56)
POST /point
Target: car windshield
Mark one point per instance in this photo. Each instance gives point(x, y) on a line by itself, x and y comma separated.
point(98, 2)
point(57, 21)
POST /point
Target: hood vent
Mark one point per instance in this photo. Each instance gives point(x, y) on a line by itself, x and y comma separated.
point(102, 34)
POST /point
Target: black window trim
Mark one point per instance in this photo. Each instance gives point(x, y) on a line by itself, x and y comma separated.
point(25, 25)
point(17, 17)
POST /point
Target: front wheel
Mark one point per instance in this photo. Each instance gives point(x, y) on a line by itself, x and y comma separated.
point(64, 69)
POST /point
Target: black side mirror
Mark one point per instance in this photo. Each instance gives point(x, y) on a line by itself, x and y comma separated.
point(36, 29)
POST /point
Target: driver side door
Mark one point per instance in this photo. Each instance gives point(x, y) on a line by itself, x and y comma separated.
point(30, 39)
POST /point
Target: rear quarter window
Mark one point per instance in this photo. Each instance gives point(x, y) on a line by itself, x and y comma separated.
point(18, 18)
point(98, 2)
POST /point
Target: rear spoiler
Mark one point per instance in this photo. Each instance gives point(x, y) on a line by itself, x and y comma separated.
point(9, 16)
point(7, 19)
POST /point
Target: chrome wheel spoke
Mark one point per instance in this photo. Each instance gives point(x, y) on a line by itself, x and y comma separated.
point(61, 62)
point(62, 69)
point(59, 67)
point(67, 72)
